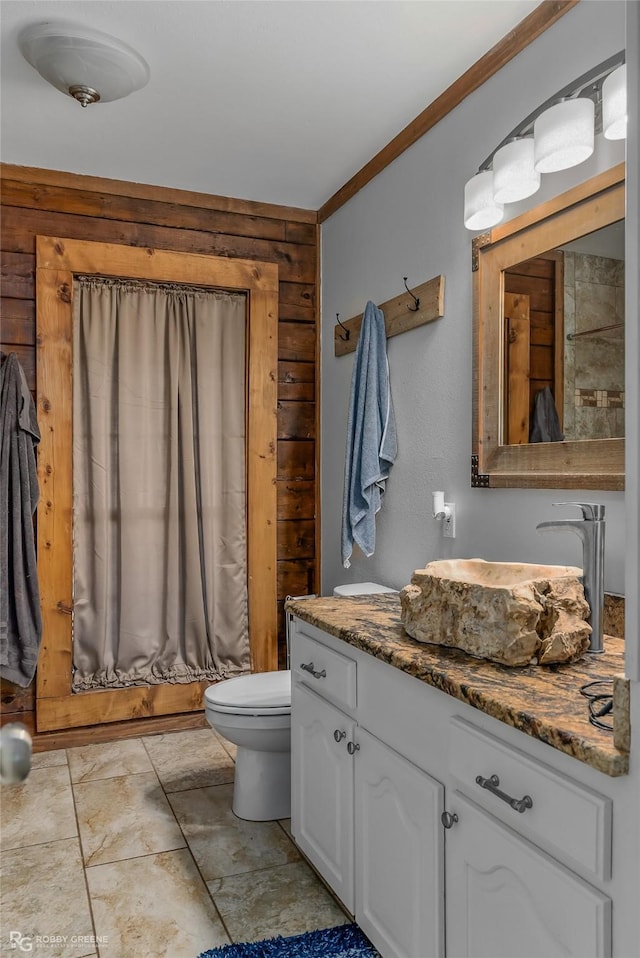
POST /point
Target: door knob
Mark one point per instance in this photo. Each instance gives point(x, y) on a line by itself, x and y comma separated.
point(449, 819)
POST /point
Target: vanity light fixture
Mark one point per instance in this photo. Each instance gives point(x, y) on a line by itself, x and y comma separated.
point(614, 104)
point(481, 211)
point(556, 136)
point(514, 176)
point(563, 135)
point(86, 64)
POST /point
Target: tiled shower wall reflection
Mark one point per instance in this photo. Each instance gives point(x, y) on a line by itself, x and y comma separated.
point(593, 361)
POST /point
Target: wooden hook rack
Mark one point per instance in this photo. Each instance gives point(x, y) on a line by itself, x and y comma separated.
point(398, 315)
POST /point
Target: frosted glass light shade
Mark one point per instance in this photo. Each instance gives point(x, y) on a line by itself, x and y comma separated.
point(480, 209)
point(563, 135)
point(614, 104)
point(514, 177)
point(74, 58)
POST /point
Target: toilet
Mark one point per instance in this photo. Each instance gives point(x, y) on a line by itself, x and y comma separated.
point(254, 712)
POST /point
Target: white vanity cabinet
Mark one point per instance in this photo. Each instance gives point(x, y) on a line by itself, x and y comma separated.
point(511, 889)
point(508, 899)
point(368, 819)
point(399, 852)
point(322, 788)
point(395, 784)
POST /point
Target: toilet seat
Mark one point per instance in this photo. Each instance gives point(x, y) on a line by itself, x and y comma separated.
point(261, 693)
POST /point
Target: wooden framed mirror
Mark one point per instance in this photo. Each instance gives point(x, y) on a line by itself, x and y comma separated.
point(538, 421)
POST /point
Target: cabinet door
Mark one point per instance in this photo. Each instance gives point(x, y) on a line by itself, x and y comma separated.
point(322, 789)
point(399, 853)
point(508, 899)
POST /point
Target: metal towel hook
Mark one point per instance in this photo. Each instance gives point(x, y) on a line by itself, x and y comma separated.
point(412, 309)
point(345, 338)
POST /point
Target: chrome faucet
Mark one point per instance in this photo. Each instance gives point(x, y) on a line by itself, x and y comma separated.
point(591, 530)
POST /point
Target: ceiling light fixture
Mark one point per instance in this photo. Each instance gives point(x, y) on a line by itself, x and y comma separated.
point(90, 66)
point(556, 136)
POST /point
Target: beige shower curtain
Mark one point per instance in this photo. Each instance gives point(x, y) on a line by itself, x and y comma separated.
point(160, 583)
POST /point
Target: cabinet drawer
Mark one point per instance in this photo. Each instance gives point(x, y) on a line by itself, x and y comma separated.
point(326, 672)
point(567, 819)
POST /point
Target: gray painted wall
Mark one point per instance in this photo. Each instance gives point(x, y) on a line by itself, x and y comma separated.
point(408, 222)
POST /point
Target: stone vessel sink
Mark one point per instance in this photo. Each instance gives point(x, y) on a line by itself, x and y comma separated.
point(509, 612)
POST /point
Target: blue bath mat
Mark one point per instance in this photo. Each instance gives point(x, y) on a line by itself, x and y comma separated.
point(345, 941)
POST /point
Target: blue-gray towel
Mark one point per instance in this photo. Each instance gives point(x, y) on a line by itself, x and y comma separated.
point(20, 618)
point(371, 437)
point(546, 424)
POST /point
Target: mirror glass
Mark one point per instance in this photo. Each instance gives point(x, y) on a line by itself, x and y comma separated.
point(563, 313)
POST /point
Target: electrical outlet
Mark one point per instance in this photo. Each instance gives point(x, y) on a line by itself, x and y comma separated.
point(449, 527)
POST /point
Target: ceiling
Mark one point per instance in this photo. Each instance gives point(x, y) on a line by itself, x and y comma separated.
point(280, 101)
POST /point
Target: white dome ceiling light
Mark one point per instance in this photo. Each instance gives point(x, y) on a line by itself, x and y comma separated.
point(90, 66)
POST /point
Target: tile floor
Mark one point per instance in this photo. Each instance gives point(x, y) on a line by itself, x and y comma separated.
point(130, 850)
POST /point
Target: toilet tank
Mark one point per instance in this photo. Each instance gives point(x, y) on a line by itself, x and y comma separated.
point(361, 588)
point(353, 588)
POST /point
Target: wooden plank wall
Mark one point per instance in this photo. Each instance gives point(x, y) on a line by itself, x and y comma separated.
point(43, 202)
point(535, 278)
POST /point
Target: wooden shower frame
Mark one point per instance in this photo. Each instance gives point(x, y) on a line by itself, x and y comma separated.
point(57, 260)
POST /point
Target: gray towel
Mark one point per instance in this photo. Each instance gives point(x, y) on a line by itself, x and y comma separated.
point(20, 619)
point(371, 437)
point(546, 424)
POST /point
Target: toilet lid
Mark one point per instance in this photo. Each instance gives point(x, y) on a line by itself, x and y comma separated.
point(268, 691)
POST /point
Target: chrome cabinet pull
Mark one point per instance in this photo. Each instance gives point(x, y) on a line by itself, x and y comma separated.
point(308, 667)
point(449, 819)
point(492, 783)
point(352, 748)
point(339, 735)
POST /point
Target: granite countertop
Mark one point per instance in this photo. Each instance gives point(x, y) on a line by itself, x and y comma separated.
point(541, 701)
